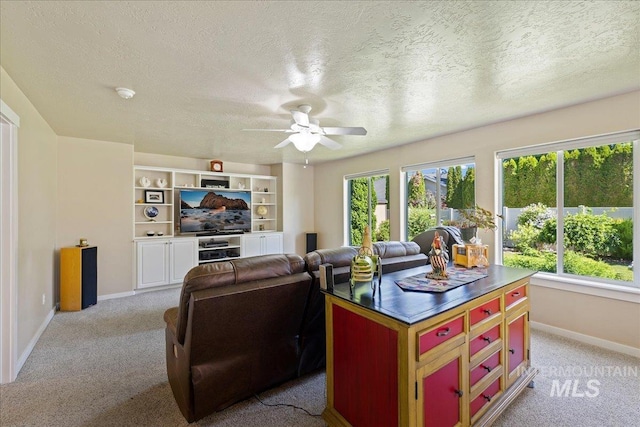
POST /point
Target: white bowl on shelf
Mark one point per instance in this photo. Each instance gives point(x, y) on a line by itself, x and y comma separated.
point(161, 182)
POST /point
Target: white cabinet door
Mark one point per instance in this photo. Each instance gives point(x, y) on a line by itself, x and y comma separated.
point(152, 263)
point(166, 261)
point(272, 243)
point(261, 244)
point(183, 256)
point(251, 245)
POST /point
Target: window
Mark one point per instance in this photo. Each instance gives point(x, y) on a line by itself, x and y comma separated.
point(568, 208)
point(436, 192)
point(368, 204)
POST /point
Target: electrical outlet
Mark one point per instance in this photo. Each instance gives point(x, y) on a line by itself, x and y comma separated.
point(43, 299)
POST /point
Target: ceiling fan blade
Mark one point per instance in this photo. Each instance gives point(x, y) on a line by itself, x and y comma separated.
point(300, 118)
point(329, 143)
point(344, 131)
point(269, 130)
point(283, 143)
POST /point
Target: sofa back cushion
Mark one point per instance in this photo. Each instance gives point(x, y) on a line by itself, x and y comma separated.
point(338, 257)
point(395, 249)
point(225, 273)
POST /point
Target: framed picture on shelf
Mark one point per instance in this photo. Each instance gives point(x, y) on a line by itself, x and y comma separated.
point(153, 196)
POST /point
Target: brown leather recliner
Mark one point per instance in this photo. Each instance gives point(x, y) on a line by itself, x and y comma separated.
point(236, 331)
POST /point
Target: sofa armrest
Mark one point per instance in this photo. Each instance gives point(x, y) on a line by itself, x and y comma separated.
point(171, 319)
point(178, 367)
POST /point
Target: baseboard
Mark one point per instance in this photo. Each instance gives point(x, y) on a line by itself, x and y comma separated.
point(157, 288)
point(587, 339)
point(118, 295)
point(138, 291)
point(27, 351)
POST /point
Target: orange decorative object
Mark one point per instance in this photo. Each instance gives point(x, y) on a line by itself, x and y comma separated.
point(216, 165)
point(469, 255)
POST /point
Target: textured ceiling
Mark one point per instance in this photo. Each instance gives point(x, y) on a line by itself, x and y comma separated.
point(405, 71)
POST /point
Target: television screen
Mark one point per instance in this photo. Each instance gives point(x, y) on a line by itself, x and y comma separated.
point(214, 210)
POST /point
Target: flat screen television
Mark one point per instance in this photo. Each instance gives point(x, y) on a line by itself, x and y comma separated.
point(210, 211)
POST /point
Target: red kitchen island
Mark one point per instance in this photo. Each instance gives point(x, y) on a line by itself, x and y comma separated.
point(407, 358)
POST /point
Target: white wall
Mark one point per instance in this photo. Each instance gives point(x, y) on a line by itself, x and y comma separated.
point(37, 203)
point(296, 212)
point(607, 115)
point(175, 162)
point(95, 194)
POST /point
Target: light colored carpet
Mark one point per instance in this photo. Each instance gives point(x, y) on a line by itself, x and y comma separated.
point(104, 366)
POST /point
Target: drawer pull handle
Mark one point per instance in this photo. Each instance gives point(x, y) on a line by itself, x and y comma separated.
point(443, 332)
point(487, 339)
point(487, 397)
point(512, 351)
point(488, 368)
point(487, 311)
point(515, 294)
point(458, 392)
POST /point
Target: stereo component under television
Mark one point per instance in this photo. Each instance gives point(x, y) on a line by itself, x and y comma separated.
point(326, 276)
point(214, 183)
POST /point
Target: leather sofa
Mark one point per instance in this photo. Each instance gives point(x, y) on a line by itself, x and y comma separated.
point(236, 331)
point(393, 255)
point(245, 325)
point(399, 255)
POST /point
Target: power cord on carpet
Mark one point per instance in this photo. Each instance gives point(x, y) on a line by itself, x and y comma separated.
point(286, 404)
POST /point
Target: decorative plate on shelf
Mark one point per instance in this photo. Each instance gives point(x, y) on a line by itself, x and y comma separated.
point(151, 212)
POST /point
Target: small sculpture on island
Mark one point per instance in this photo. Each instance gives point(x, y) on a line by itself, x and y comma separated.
point(365, 265)
point(438, 257)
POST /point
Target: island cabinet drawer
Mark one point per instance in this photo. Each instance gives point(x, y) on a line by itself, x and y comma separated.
point(484, 311)
point(490, 364)
point(484, 339)
point(441, 336)
point(484, 398)
point(514, 296)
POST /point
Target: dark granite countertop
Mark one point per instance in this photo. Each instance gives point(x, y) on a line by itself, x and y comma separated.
point(412, 307)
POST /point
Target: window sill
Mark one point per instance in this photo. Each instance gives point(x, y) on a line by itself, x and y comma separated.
point(587, 287)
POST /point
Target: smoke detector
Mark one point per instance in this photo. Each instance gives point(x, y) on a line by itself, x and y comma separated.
point(125, 93)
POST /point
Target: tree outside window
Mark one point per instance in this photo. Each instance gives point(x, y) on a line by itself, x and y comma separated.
point(595, 238)
point(368, 206)
point(436, 194)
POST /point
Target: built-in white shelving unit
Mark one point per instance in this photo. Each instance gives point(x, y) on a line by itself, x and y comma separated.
point(264, 202)
point(156, 216)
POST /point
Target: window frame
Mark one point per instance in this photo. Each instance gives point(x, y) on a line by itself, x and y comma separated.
point(560, 147)
point(346, 221)
point(439, 164)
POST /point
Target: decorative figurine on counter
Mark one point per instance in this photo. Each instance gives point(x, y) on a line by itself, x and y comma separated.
point(438, 257)
point(365, 265)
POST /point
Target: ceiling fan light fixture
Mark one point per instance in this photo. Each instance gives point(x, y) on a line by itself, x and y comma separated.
point(304, 141)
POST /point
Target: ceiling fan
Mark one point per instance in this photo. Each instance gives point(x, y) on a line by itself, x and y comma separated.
point(306, 131)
